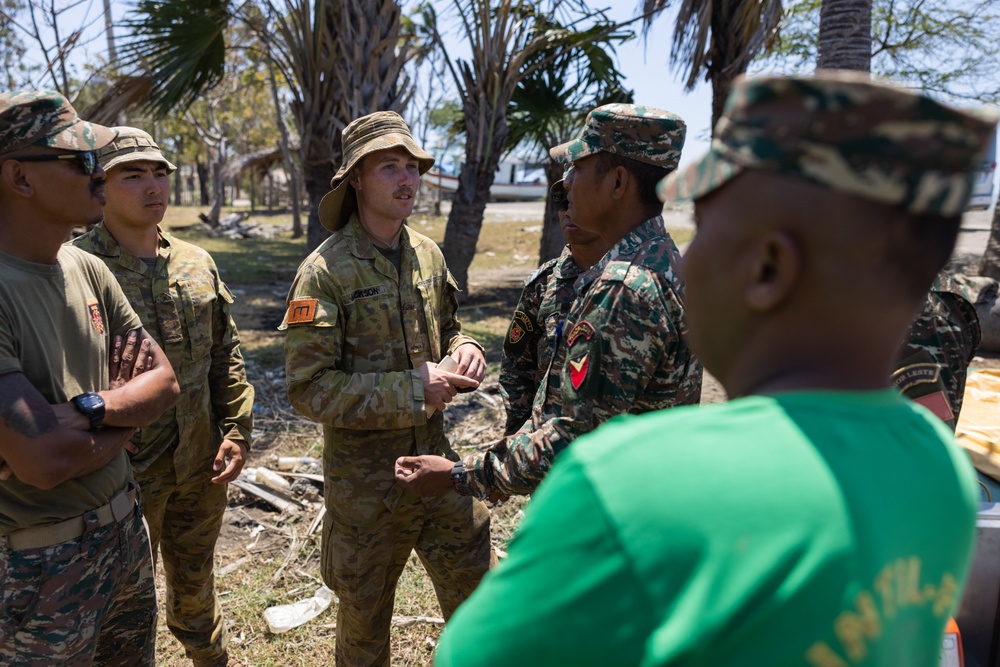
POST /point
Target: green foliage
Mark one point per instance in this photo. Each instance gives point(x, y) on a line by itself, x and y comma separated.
point(948, 47)
point(574, 74)
point(181, 44)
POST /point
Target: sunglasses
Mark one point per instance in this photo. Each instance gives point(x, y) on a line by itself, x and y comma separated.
point(560, 199)
point(87, 159)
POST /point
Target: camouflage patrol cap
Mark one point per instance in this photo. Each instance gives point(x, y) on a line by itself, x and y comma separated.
point(131, 145)
point(634, 131)
point(362, 136)
point(842, 131)
point(44, 118)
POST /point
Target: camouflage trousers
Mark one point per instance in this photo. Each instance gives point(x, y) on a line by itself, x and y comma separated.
point(87, 601)
point(184, 521)
point(362, 564)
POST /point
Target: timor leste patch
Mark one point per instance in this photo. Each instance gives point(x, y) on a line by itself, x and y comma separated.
point(520, 329)
point(583, 330)
point(96, 321)
point(907, 377)
point(301, 311)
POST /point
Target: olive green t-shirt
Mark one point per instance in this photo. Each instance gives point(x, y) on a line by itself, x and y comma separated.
point(56, 324)
point(807, 529)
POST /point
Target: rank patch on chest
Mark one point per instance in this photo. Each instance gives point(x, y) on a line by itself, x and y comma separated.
point(96, 320)
point(578, 370)
point(301, 311)
point(583, 330)
point(520, 325)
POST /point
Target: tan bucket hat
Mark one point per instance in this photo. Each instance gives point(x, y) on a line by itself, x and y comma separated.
point(374, 132)
point(131, 145)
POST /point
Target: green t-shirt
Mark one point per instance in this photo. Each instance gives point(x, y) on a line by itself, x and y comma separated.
point(56, 324)
point(814, 528)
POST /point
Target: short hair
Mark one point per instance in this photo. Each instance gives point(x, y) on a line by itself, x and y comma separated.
point(646, 175)
point(922, 249)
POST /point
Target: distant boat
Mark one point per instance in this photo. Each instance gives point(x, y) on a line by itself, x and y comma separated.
point(498, 191)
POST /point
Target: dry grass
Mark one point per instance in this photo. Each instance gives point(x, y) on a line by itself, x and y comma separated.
point(275, 561)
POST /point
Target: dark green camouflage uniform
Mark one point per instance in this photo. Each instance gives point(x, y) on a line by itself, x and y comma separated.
point(357, 332)
point(186, 308)
point(531, 347)
point(625, 351)
point(622, 347)
point(941, 344)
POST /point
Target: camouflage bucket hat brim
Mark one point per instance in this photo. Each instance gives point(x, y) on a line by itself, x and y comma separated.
point(844, 132)
point(131, 145)
point(375, 132)
point(43, 118)
point(634, 131)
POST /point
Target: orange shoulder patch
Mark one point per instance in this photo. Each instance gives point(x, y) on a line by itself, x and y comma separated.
point(301, 311)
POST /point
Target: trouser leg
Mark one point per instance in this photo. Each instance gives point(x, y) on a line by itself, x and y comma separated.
point(186, 518)
point(362, 565)
point(454, 546)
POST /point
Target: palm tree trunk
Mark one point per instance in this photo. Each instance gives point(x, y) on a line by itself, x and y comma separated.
point(989, 266)
point(317, 175)
point(845, 35)
point(466, 219)
point(552, 241)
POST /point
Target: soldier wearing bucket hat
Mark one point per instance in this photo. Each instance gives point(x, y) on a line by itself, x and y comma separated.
point(777, 528)
point(536, 323)
point(78, 582)
point(621, 346)
point(371, 313)
point(186, 458)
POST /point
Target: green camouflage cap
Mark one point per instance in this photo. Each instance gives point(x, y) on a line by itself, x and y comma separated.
point(131, 145)
point(842, 131)
point(374, 132)
point(642, 133)
point(44, 118)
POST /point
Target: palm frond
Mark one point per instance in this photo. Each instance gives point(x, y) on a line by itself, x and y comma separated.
point(180, 45)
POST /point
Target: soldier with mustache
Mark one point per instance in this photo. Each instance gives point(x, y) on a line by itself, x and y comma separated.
point(371, 313)
point(186, 458)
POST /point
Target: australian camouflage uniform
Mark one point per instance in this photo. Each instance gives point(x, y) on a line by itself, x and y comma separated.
point(186, 308)
point(942, 341)
point(357, 331)
point(623, 338)
point(531, 346)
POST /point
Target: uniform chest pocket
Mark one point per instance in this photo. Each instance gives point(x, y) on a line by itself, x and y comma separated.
point(198, 301)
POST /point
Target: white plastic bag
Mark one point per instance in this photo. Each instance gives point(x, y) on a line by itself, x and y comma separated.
point(284, 617)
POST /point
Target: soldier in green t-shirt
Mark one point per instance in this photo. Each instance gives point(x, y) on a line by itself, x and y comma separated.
point(778, 529)
point(74, 553)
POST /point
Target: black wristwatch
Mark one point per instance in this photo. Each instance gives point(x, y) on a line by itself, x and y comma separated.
point(458, 476)
point(92, 406)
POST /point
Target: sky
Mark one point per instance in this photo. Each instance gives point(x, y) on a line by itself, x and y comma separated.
point(644, 62)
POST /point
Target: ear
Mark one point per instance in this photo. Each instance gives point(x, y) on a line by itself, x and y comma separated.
point(15, 178)
point(353, 179)
point(622, 179)
point(774, 271)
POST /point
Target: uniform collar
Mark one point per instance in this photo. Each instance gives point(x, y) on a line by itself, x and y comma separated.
point(360, 244)
point(625, 248)
point(105, 244)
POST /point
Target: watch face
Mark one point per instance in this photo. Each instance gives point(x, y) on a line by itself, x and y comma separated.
point(90, 401)
point(92, 406)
